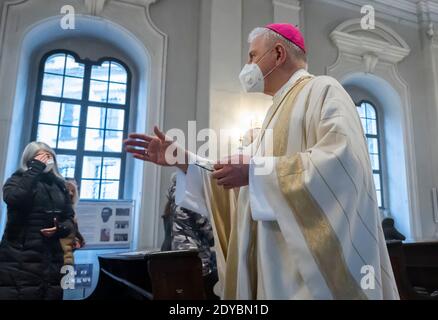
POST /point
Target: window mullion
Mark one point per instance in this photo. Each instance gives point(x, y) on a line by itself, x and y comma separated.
point(60, 107)
point(82, 124)
point(104, 132)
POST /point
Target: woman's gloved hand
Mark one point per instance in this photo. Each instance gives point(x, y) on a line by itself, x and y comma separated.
point(43, 157)
point(40, 163)
point(60, 230)
point(49, 232)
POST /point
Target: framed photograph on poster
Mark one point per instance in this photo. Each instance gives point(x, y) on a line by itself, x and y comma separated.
point(106, 224)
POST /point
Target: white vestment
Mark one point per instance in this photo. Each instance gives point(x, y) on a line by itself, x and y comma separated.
point(310, 228)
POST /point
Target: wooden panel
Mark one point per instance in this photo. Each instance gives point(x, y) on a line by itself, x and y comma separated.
point(176, 275)
point(415, 267)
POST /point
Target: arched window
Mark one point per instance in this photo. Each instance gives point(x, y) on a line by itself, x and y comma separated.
point(81, 111)
point(368, 116)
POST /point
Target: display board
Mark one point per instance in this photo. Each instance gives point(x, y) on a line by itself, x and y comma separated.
point(106, 223)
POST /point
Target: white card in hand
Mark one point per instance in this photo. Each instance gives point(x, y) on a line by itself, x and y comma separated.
point(209, 166)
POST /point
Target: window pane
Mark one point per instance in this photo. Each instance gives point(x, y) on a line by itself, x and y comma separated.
point(96, 117)
point(371, 127)
point(111, 168)
point(73, 88)
point(55, 64)
point(52, 85)
point(118, 73)
point(98, 91)
point(379, 198)
point(371, 113)
point(91, 167)
point(364, 125)
point(375, 161)
point(100, 72)
point(94, 140)
point(377, 181)
point(117, 93)
point(90, 189)
point(115, 119)
point(113, 141)
point(373, 146)
point(47, 134)
point(49, 112)
point(70, 114)
point(59, 122)
point(68, 138)
point(73, 68)
point(110, 190)
point(66, 165)
point(361, 111)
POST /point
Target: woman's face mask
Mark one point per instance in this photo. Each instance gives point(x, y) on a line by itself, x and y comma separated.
point(252, 78)
point(49, 165)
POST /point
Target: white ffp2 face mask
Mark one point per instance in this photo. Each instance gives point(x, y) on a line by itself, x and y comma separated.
point(49, 165)
point(251, 78)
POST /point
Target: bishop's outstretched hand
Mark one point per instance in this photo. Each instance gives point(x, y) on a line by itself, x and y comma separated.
point(154, 149)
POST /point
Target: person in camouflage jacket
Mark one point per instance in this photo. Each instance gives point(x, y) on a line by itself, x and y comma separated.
point(186, 229)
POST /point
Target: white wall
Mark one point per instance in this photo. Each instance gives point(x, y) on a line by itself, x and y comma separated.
point(180, 20)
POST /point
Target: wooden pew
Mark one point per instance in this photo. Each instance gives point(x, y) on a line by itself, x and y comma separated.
point(415, 267)
point(176, 275)
point(172, 275)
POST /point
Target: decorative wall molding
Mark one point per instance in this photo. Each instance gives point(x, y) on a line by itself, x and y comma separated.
point(142, 3)
point(427, 21)
point(371, 46)
point(287, 4)
point(401, 11)
point(6, 9)
point(427, 10)
point(370, 60)
point(95, 7)
point(288, 11)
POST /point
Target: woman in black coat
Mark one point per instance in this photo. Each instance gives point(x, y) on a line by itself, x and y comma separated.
point(39, 214)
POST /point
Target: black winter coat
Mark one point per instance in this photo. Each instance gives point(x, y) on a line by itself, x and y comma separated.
point(30, 263)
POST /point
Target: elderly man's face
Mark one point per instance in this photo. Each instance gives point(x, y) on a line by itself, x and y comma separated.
point(258, 49)
point(263, 53)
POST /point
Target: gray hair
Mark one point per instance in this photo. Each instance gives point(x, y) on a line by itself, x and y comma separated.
point(72, 186)
point(30, 152)
point(291, 48)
